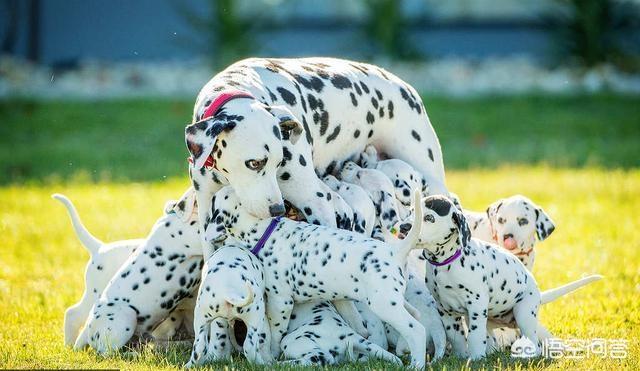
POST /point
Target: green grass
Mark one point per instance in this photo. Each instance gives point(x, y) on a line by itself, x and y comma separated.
point(130, 146)
point(142, 139)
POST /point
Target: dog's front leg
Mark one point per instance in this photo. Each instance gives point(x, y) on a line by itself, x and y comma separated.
point(477, 338)
point(278, 313)
point(455, 333)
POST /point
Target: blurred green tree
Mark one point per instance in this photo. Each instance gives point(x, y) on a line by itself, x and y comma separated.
point(592, 32)
point(386, 28)
point(226, 34)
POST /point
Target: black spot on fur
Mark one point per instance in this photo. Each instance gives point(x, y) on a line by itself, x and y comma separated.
point(288, 96)
point(340, 82)
point(334, 135)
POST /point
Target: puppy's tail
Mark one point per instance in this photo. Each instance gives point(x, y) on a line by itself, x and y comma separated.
point(86, 238)
point(409, 242)
point(239, 300)
point(553, 294)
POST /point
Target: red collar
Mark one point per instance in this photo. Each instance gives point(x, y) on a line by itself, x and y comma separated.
point(213, 108)
point(223, 98)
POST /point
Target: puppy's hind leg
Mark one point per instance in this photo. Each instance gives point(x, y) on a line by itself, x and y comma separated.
point(279, 313)
point(347, 309)
point(369, 349)
point(391, 311)
point(74, 318)
point(200, 344)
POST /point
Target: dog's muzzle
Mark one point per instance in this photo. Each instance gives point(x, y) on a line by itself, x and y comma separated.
point(276, 210)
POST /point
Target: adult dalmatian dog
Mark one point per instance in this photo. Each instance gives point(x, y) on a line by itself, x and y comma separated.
point(270, 127)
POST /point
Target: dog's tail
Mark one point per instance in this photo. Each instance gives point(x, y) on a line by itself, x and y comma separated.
point(409, 242)
point(240, 300)
point(86, 238)
point(553, 294)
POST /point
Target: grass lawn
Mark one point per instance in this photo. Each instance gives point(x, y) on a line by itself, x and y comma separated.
point(551, 147)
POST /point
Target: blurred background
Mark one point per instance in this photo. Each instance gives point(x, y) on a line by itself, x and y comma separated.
point(564, 74)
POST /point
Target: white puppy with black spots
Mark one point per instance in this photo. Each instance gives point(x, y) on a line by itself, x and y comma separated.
point(515, 223)
point(305, 262)
point(156, 280)
point(474, 280)
point(402, 175)
point(317, 335)
point(380, 191)
point(364, 212)
point(104, 261)
point(232, 289)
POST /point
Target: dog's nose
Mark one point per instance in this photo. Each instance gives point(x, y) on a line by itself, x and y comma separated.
point(276, 209)
point(508, 235)
point(405, 227)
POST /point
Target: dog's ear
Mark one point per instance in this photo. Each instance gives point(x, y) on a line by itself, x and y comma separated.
point(492, 215)
point(201, 136)
point(463, 227)
point(290, 127)
point(185, 208)
point(215, 228)
point(456, 201)
point(544, 225)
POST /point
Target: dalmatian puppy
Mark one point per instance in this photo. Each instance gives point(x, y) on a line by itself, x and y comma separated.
point(364, 213)
point(475, 280)
point(305, 262)
point(403, 177)
point(232, 289)
point(245, 113)
point(380, 191)
point(317, 335)
point(515, 223)
point(151, 284)
point(104, 261)
point(344, 214)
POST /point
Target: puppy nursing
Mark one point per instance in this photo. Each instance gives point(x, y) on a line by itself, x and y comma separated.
point(305, 262)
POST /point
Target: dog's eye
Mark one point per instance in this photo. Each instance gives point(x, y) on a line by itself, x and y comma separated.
point(256, 165)
point(429, 218)
point(501, 220)
point(523, 221)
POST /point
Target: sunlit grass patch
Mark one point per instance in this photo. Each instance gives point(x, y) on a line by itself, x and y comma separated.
point(597, 213)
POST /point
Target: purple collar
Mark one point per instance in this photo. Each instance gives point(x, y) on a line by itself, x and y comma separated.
point(449, 260)
point(265, 236)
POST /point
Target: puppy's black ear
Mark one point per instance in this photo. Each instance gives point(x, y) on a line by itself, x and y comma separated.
point(463, 228)
point(215, 229)
point(544, 225)
point(289, 125)
point(185, 208)
point(200, 138)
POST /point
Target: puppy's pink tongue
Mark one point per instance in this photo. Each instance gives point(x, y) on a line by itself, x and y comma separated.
point(510, 243)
